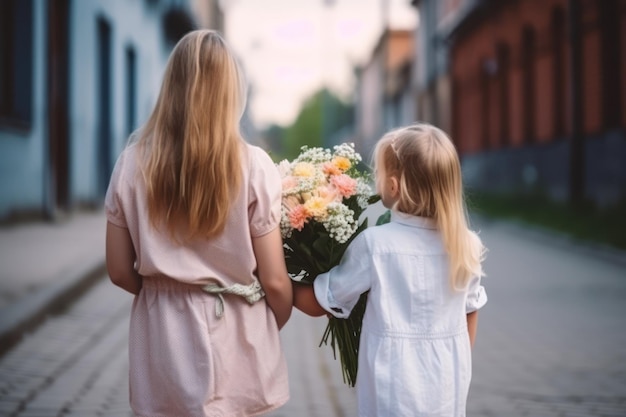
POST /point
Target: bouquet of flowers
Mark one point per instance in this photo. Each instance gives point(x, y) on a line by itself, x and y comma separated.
point(324, 194)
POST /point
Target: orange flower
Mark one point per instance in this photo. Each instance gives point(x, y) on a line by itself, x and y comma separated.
point(342, 163)
point(316, 206)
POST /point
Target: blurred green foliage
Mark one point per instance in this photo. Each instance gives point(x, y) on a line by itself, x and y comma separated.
point(321, 115)
point(306, 130)
point(585, 221)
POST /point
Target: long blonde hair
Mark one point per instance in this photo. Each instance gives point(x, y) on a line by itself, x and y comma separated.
point(190, 147)
point(427, 167)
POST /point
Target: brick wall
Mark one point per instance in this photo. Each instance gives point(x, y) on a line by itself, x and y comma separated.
point(511, 92)
point(536, 83)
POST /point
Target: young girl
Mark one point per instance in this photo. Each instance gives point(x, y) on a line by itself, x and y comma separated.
point(193, 214)
point(422, 271)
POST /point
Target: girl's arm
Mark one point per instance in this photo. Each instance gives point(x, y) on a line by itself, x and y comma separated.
point(120, 259)
point(472, 325)
point(305, 301)
point(268, 250)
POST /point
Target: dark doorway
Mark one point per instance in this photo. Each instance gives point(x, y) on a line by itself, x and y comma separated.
point(16, 63)
point(611, 51)
point(103, 105)
point(58, 106)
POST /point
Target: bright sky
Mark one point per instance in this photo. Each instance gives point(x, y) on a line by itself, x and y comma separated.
point(291, 48)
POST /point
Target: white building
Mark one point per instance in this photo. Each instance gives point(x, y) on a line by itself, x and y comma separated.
point(76, 77)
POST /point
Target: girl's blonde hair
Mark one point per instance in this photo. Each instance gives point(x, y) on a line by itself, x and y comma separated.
point(190, 147)
point(427, 167)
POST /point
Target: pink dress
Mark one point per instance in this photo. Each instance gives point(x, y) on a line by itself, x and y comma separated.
point(185, 358)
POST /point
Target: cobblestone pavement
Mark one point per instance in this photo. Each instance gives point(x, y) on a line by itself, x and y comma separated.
point(76, 364)
point(315, 379)
point(552, 338)
point(551, 342)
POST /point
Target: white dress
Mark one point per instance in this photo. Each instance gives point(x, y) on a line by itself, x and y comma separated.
point(415, 354)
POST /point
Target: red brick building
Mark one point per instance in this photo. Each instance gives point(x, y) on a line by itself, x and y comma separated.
point(517, 113)
point(511, 72)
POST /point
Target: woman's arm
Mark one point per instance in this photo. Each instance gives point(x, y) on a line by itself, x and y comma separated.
point(305, 301)
point(120, 259)
point(472, 325)
point(268, 250)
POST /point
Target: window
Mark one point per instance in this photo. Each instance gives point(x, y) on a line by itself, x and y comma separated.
point(611, 51)
point(558, 70)
point(528, 83)
point(16, 62)
point(503, 58)
point(131, 89)
point(485, 108)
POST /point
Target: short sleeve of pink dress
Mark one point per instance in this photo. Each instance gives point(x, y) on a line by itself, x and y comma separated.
point(185, 360)
point(112, 203)
point(265, 195)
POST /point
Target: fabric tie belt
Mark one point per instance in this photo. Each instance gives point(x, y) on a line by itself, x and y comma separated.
point(251, 293)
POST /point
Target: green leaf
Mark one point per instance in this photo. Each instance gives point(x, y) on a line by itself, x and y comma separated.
point(373, 199)
point(384, 218)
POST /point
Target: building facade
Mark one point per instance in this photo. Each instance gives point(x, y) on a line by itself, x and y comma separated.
point(537, 93)
point(77, 77)
point(384, 99)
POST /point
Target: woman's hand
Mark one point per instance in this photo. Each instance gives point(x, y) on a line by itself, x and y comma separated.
point(305, 301)
point(272, 271)
point(120, 259)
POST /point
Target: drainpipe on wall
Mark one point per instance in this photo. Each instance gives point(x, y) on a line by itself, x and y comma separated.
point(576, 161)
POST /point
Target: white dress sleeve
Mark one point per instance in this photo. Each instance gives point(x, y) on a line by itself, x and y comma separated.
point(338, 290)
point(476, 296)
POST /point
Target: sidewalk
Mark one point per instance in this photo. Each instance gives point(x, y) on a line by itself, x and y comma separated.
point(44, 266)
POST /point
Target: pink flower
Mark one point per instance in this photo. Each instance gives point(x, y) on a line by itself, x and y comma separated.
point(328, 193)
point(331, 169)
point(297, 217)
point(289, 183)
point(345, 185)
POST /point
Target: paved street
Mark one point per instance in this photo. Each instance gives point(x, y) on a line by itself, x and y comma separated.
point(75, 364)
point(551, 342)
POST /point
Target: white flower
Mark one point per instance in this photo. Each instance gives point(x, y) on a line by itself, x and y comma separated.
point(363, 191)
point(340, 223)
point(313, 155)
point(285, 224)
point(347, 151)
point(284, 168)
